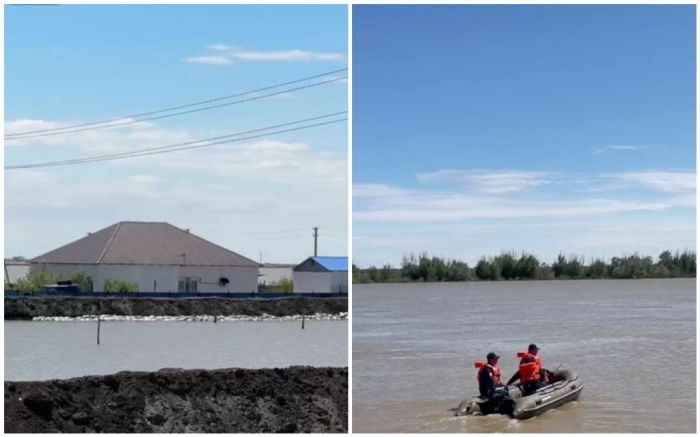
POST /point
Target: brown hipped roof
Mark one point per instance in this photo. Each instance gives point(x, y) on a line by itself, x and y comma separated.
point(144, 243)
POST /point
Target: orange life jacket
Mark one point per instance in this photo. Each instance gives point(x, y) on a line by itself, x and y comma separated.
point(528, 354)
point(495, 371)
point(530, 367)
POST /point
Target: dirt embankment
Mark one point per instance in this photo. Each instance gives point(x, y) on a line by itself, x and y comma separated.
point(27, 308)
point(295, 399)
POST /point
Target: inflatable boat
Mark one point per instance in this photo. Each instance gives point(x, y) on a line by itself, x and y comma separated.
point(565, 386)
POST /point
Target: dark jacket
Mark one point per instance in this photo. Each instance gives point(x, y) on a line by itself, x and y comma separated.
point(486, 386)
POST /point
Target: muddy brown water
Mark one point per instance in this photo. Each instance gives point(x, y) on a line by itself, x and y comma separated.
point(632, 341)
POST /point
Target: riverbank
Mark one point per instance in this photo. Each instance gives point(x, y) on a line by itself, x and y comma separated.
point(208, 318)
point(502, 281)
point(27, 308)
point(524, 266)
point(294, 399)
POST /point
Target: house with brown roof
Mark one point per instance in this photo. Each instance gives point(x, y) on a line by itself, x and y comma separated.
point(157, 256)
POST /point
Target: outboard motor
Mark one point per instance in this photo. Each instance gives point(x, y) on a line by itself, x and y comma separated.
point(469, 407)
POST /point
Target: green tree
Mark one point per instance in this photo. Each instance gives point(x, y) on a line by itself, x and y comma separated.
point(527, 267)
point(482, 269)
point(355, 274)
point(284, 285)
point(598, 269)
point(38, 279)
point(494, 273)
point(457, 271)
point(119, 286)
point(508, 266)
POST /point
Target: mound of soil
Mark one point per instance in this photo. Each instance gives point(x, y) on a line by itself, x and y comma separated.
point(27, 308)
point(295, 399)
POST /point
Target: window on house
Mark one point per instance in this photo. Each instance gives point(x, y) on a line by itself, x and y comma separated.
point(187, 284)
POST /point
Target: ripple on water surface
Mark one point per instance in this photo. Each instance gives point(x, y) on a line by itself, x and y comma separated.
point(45, 350)
point(416, 344)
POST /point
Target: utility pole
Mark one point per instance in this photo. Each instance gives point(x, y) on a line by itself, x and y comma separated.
point(315, 235)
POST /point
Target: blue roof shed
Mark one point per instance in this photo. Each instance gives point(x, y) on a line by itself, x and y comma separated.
point(323, 264)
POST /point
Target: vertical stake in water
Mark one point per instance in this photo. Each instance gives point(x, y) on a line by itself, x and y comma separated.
point(303, 319)
point(98, 329)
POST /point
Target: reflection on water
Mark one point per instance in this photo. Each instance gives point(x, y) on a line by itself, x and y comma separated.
point(45, 350)
point(414, 345)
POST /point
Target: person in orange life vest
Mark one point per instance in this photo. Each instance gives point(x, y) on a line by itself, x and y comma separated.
point(489, 376)
point(531, 373)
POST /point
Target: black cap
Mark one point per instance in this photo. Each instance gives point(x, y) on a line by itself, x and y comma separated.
point(532, 346)
point(492, 356)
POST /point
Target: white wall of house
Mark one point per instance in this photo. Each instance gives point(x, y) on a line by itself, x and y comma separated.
point(306, 282)
point(15, 272)
point(339, 282)
point(241, 279)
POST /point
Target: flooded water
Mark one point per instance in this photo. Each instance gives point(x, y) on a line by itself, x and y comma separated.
point(45, 350)
point(631, 341)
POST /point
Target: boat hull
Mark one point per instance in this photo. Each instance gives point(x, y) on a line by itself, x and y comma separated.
point(566, 388)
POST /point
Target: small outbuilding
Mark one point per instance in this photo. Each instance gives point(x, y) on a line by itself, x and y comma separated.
point(156, 256)
point(274, 273)
point(15, 270)
point(321, 274)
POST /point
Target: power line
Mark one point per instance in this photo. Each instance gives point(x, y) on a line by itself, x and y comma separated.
point(295, 231)
point(173, 108)
point(188, 145)
point(158, 117)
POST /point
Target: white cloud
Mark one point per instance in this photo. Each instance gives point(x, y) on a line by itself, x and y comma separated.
point(622, 148)
point(225, 55)
point(467, 214)
point(590, 236)
point(491, 182)
point(98, 141)
point(482, 196)
point(220, 47)
point(627, 147)
point(56, 191)
point(663, 181)
point(289, 55)
point(427, 210)
point(211, 60)
point(225, 192)
point(263, 159)
point(376, 190)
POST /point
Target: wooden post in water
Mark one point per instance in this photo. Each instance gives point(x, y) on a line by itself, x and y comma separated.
point(98, 329)
point(303, 319)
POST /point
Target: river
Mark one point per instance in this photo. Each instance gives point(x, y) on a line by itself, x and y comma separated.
point(631, 341)
point(46, 350)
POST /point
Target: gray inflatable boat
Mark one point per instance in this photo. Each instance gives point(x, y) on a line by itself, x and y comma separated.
point(566, 386)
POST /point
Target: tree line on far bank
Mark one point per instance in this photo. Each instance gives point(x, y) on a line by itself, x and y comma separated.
point(510, 266)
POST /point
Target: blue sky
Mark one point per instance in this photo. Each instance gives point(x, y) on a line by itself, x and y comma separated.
point(549, 129)
point(75, 64)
